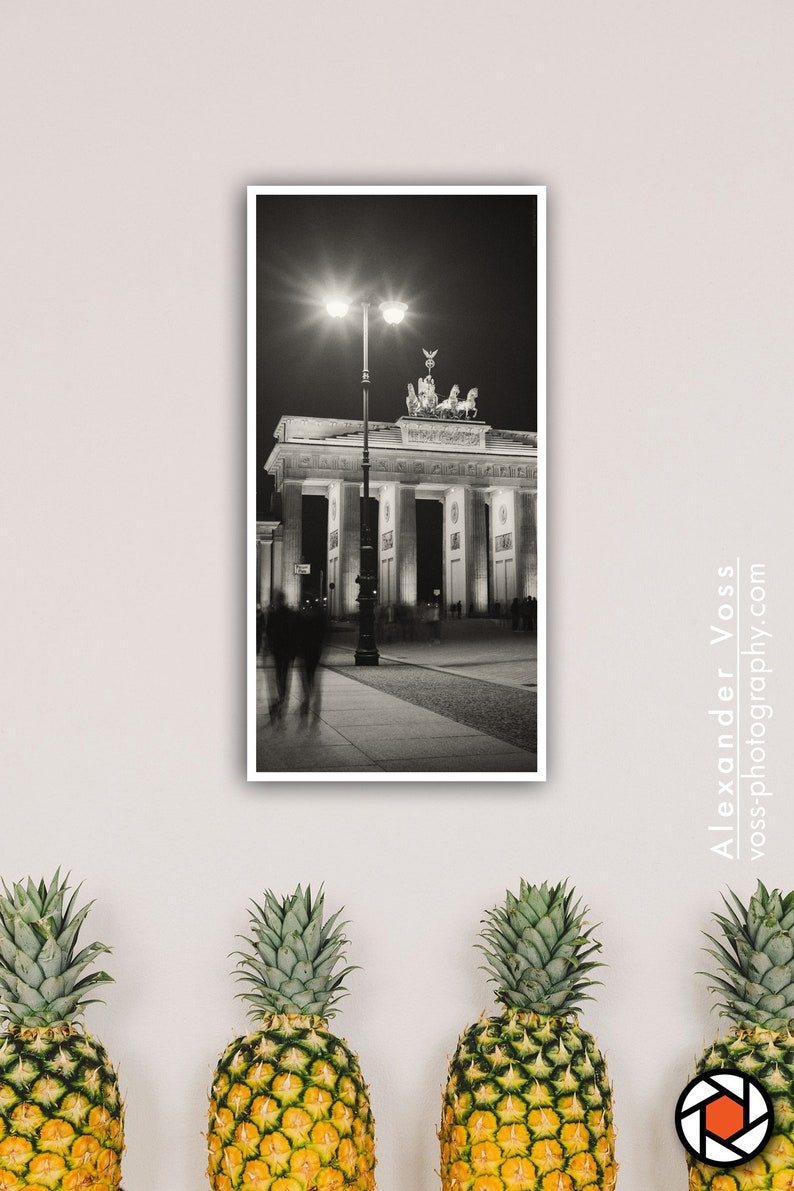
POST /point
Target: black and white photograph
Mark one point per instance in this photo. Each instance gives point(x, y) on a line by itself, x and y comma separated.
point(396, 424)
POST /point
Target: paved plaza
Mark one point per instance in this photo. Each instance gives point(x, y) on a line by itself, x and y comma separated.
point(465, 703)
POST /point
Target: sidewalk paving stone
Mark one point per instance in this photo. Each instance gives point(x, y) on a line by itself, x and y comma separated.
point(379, 714)
point(420, 748)
point(359, 729)
point(474, 764)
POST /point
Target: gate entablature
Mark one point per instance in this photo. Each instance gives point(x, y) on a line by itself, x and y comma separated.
point(415, 464)
point(409, 447)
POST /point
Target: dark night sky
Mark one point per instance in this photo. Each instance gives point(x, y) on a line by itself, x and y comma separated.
point(466, 266)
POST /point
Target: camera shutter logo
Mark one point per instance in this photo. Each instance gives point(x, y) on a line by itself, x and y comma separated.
point(724, 1118)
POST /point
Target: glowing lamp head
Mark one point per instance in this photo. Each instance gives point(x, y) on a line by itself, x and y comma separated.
point(338, 307)
point(393, 312)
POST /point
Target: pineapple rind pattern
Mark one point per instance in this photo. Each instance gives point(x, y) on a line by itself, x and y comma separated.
point(61, 1117)
point(768, 1055)
point(527, 1107)
point(289, 1111)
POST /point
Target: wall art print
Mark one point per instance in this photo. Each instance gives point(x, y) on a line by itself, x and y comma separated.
point(396, 487)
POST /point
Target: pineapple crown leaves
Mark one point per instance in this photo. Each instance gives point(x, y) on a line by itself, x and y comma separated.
point(538, 951)
point(292, 956)
point(40, 970)
point(756, 959)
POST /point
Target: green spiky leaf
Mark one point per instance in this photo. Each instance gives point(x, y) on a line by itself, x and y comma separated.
point(39, 970)
point(755, 959)
point(291, 958)
point(538, 952)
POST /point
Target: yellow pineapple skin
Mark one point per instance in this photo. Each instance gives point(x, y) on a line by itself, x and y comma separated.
point(289, 1111)
point(61, 1116)
point(527, 1107)
point(768, 1055)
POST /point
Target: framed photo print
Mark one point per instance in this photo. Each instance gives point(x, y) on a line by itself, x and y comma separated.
point(396, 483)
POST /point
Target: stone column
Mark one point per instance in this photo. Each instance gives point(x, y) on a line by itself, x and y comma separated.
point(264, 592)
point(387, 542)
point(349, 548)
point(476, 552)
point(443, 599)
point(406, 544)
point(278, 536)
point(291, 509)
point(526, 544)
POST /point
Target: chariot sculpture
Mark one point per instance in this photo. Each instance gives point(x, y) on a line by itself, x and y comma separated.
point(427, 403)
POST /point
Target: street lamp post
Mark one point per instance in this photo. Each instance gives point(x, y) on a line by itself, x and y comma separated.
point(366, 650)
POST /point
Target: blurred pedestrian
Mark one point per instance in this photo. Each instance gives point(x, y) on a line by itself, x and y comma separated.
point(312, 630)
point(280, 634)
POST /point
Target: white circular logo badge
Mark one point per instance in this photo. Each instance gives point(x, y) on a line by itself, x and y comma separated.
point(724, 1118)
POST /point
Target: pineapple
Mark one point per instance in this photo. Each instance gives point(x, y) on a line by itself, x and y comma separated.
point(61, 1118)
point(527, 1106)
point(756, 984)
point(289, 1110)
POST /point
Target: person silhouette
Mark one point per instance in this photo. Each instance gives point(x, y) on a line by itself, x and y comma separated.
point(312, 626)
point(280, 634)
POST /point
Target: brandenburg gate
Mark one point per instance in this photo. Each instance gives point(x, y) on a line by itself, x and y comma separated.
point(485, 480)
